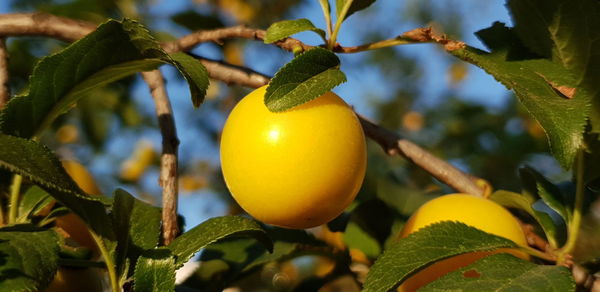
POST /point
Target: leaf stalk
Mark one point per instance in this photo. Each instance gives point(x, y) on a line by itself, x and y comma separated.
point(15, 189)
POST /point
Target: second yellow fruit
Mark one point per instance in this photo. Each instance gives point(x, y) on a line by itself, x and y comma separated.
point(297, 169)
point(474, 211)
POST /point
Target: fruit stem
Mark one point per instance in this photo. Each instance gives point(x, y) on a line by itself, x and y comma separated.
point(539, 254)
point(326, 14)
point(15, 189)
point(338, 24)
point(108, 260)
point(575, 223)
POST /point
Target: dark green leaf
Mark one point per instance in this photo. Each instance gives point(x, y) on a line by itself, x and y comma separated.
point(423, 248)
point(186, 245)
point(29, 258)
point(231, 259)
point(566, 32)
point(541, 85)
point(550, 193)
point(519, 201)
point(37, 163)
point(195, 21)
point(136, 225)
point(195, 73)
point(504, 272)
point(59, 80)
point(155, 272)
point(32, 201)
point(356, 5)
point(283, 29)
point(305, 78)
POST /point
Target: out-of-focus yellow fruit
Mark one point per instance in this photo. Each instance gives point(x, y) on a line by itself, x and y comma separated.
point(474, 211)
point(81, 176)
point(133, 168)
point(190, 183)
point(297, 169)
point(233, 54)
point(70, 223)
point(77, 280)
point(67, 134)
point(413, 121)
point(242, 11)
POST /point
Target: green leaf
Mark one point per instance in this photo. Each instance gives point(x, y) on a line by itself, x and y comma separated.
point(155, 271)
point(32, 201)
point(541, 85)
point(306, 77)
point(566, 32)
point(519, 201)
point(59, 80)
point(231, 259)
point(29, 258)
point(504, 272)
point(195, 73)
point(37, 163)
point(137, 228)
point(211, 230)
point(549, 192)
point(356, 5)
point(421, 249)
point(195, 21)
point(283, 29)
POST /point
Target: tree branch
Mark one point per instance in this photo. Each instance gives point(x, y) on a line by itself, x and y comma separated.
point(189, 41)
point(43, 24)
point(168, 160)
point(4, 89)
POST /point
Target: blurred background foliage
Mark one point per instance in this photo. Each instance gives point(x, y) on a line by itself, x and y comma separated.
point(448, 107)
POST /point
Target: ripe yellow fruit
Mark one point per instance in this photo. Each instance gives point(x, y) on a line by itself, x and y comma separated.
point(77, 280)
point(474, 211)
point(297, 169)
point(71, 223)
point(133, 168)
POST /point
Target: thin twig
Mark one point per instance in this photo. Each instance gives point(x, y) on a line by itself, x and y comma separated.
point(4, 89)
point(44, 24)
point(168, 161)
point(189, 41)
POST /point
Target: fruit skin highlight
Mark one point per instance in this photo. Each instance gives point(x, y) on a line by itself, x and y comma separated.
point(296, 169)
point(474, 211)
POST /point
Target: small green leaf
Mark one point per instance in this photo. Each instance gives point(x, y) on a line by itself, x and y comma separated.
point(37, 163)
point(519, 201)
point(32, 201)
point(421, 249)
point(137, 228)
point(29, 258)
point(186, 245)
point(356, 5)
point(283, 29)
point(550, 193)
point(545, 88)
point(504, 272)
point(155, 271)
point(59, 80)
point(306, 77)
